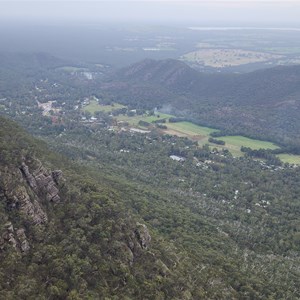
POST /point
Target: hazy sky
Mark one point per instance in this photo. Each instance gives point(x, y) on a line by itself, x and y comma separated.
point(267, 12)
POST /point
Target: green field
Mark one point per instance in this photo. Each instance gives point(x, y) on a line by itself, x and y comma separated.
point(71, 69)
point(201, 134)
point(190, 128)
point(289, 158)
point(95, 106)
point(234, 144)
point(135, 119)
point(195, 132)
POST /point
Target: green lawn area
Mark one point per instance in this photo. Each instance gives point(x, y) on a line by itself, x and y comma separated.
point(135, 119)
point(201, 134)
point(94, 106)
point(190, 128)
point(234, 143)
point(195, 132)
point(289, 158)
point(71, 69)
point(239, 141)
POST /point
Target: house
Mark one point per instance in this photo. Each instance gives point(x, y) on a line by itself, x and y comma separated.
point(177, 158)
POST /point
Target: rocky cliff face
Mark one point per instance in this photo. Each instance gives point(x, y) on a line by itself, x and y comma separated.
point(24, 192)
point(42, 181)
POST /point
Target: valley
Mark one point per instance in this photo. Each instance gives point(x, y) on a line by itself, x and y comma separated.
point(200, 134)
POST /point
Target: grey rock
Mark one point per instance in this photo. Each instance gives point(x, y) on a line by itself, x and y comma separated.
point(31, 209)
point(57, 176)
point(9, 236)
point(143, 236)
point(17, 238)
point(30, 179)
point(43, 182)
point(23, 242)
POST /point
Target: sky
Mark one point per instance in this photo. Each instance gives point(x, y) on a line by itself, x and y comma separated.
point(260, 12)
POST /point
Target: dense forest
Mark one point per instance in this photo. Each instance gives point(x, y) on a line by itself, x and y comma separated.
point(219, 227)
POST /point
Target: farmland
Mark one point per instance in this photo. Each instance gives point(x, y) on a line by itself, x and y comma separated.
point(220, 58)
point(234, 144)
point(135, 119)
point(192, 131)
point(95, 106)
point(289, 158)
point(201, 134)
point(71, 69)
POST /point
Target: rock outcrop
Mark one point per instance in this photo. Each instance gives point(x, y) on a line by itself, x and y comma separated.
point(23, 242)
point(42, 181)
point(29, 207)
point(25, 191)
point(16, 238)
point(143, 236)
point(9, 235)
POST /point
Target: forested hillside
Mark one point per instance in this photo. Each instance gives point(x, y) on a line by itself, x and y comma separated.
point(136, 224)
point(263, 104)
point(65, 235)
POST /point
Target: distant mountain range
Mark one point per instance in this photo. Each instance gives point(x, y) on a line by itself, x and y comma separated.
point(35, 61)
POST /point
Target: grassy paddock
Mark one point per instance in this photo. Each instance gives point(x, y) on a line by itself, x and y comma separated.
point(195, 132)
point(71, 69)
point(289, 158)
point(201, 134)
point(236, 142)
point(94, 106)
point(135, 119)
point(190, 128)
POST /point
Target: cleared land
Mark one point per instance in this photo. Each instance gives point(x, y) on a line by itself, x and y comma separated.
point(234, 143)
point(71, 69)
point(135, 119)
point(190, 130)
point(195, 132)
point(201, 134)
point(289, 158)
point(95, 106)
point(220, 58)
